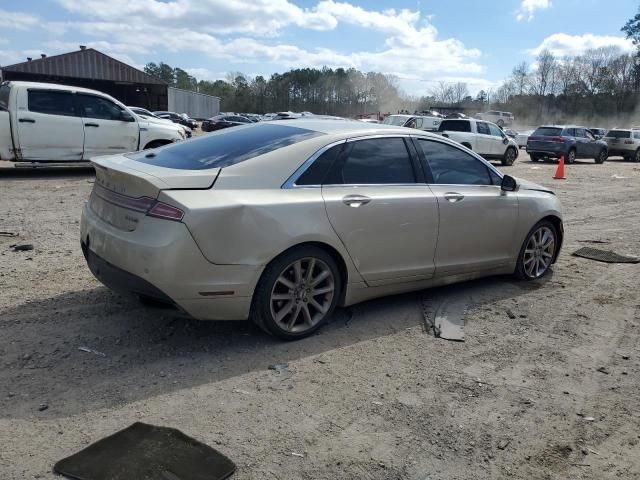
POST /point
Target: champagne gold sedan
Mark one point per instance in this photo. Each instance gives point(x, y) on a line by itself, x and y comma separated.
point(281, 222)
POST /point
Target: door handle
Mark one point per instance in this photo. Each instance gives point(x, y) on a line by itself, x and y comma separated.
point(355, 201)
point(453, 197)
point(91, 125)
point(27, 120)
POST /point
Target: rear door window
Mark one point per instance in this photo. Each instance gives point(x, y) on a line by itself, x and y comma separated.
point(455, 126)
point(51, 102)
point(231, 146)
point(581, 133)
point(451, 166)
point(377, 161)
point(317, 172)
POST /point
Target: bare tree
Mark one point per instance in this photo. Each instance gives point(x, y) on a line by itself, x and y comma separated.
point(520, 76)
point(459, 91)
point(544, 76)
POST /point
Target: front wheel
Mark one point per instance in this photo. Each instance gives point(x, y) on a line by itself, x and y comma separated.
point(636, 156)
point(509, 157)
point(602, 156)
point(537, 252)
point(297, 292)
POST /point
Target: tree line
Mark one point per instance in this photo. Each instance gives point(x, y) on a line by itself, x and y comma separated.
point(342, 92)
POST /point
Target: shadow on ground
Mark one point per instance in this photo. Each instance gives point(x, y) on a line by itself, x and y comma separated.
point(151, 351)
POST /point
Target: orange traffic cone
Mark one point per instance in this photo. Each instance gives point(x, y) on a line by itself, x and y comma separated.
point(560, 170)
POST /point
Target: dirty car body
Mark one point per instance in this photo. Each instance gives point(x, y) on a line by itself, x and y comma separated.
point(283, 221)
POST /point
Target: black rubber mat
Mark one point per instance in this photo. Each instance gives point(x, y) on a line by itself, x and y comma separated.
point(147, 452)
point(604, 256)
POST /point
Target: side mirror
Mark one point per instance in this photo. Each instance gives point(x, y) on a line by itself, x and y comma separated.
point(505, 140)
point(126, 117)
point(509, 184)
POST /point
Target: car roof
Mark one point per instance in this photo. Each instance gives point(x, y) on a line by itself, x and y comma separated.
point(56, 86)
point(346, 127)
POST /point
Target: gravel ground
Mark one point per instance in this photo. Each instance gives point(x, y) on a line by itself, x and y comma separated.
point(551, 393)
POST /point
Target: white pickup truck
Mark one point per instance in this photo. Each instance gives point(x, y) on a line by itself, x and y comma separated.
point(43, 122)
point(484, 138)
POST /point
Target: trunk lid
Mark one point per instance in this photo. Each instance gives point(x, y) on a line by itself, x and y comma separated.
point(125, 189)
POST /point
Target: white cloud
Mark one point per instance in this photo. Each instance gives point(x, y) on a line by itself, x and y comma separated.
point(561, 44)
point(529, 7)
point(244, 32)
point(17, 20)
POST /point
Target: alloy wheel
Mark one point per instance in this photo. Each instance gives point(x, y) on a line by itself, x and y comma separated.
point(302, 295)
point(538, 253)
point(571, 157)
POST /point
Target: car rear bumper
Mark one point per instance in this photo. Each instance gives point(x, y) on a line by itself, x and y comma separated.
point(546, 152)
point(621, 152)
point(161, 260)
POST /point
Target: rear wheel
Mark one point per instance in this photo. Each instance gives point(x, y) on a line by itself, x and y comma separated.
point(509, 157)
point(571, 157)
point(602, 156)
point(537, 252)
point(297, 292)
point(636, 156)
point(534, 158)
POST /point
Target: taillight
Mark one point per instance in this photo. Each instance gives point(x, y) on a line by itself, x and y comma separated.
point(530, 139)
point(628, 142)
point(168, 212)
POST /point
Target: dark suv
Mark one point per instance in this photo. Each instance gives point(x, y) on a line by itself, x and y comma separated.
point(569, 141)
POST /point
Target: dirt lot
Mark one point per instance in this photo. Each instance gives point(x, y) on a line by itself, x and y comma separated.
point(550, 394)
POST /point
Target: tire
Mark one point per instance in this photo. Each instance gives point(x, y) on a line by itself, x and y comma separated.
point(534, 158)
point(602, 156)
point(528, 266)
point(291, 269)
point(156, 144)
point(636, 156)
point(509, 157)
point(571, 157)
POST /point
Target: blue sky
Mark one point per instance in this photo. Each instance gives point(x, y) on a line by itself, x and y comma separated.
point(420, 42)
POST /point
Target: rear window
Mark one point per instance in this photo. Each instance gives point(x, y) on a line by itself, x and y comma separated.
point(547, 132)
point(619, 134)
point(4, 96)
point(219, 150)
point(455, 126)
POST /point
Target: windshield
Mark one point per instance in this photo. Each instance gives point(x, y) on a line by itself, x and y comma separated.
point(395, 120)
point(225, 148)
point(619, 134)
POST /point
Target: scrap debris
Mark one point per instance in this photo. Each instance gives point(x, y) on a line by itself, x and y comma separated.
point(606, 256)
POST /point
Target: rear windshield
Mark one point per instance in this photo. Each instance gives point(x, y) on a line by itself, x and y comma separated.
point(393, 120)
point(4, 96)
point(455, 126)
point(547, 132)
point(226, 148)
point(619, 134)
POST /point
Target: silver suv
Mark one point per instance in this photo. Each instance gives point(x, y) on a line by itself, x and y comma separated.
point(501, 119)
point(624, 143)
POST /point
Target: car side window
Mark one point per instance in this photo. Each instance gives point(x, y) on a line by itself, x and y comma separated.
point(317, 172)
point(451, 166)
point(570, 132)
point(483, 128)
point(98, 107)
point(589, 135)
point(495, 131)
point(580, 132)
point(374, 162)
point(51, 102)
point(636, 135)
